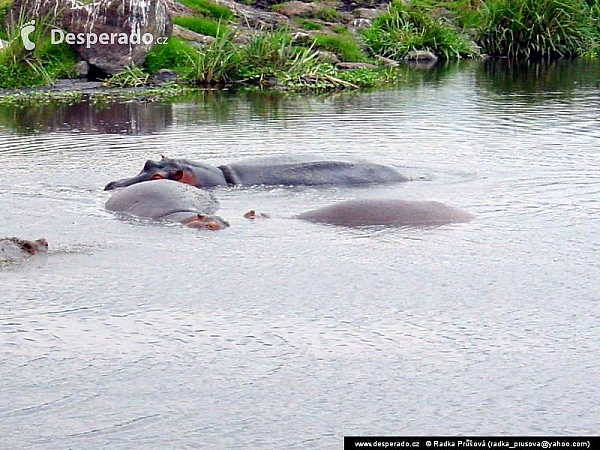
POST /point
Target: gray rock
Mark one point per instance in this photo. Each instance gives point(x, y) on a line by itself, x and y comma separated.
point(366, 13)
point(420, 55)
point(82, 68)
point(189, 35)
point(359, 24)
point(298, 9)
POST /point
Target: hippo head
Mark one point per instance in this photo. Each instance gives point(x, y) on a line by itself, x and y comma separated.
point(32, 247)
point(182, 170)
point(206, 222)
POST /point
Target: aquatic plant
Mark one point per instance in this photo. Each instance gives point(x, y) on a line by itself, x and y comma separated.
point(536, 29)
point(217, 64)
point(132, 76)
point(408, 27)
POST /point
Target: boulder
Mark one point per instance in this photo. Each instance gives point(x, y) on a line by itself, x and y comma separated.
point(132, 27)
point(356, 25)
point(298, 9)
point(420, 55)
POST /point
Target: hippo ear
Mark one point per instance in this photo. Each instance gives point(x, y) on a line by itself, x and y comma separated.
point(176, 175)
point(163, 157)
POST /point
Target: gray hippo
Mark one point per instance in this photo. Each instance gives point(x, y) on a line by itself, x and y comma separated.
point(391, 212)
point(270, 171)
point(15, 248)
point(169, 201)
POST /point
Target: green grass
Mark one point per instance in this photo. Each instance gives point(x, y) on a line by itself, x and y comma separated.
point(208, 8)
point(5, 6)
point(175, 55)
point(41, 66)
point(308, 25)
point(343, 46)
point(202, 25)
point(537, 29)
point(327, 14)
point(405, 28)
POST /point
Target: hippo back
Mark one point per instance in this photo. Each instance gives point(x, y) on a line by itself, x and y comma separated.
point(308, 171)
point(161, 198)
point(356, 213)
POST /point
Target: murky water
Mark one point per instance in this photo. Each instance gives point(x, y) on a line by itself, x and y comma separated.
point(281, 333)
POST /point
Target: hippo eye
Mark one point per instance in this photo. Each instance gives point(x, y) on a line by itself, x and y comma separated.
point(157, 176)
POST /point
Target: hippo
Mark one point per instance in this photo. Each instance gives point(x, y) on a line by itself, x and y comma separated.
point(13, 247)
point(169, 201)
point(391, 212)
point(270, 171)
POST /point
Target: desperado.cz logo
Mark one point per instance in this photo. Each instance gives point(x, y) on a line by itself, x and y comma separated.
point(89, 39)
point(58, 36)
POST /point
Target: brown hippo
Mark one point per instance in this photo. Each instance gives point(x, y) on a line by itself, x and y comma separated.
point(169, 201)
point(280, 170)
point(356, 213)
point(14, 247)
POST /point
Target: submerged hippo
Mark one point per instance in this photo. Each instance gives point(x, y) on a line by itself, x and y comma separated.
point(270, 171)
point(356, 213)
point(168, 201)
point(12, 248)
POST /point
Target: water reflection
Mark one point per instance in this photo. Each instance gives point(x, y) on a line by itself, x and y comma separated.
point(537, 82)
point(110, 118)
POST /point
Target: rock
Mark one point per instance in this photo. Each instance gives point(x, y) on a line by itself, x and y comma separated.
point(298, 9)
point(387, 61)
point(147, 20)
point(359, 24)
point(82, 69)
point(253, 17)
point(420, 55)
point(366, 13)
point(4, 44)
point(354, 65)
point(189, 35)
point(327, 57)
point(302, 37)
point(176, 9)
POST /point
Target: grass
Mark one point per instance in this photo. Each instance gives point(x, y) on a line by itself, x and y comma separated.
point(404, 28)
point(40, 66)
point(345, 47)
point(537, 29)
point(308, 25)
point(132, 76)
point(5, 6)
point(202, 25)
point(175, 55)
point(209, 9)
point(327, 14)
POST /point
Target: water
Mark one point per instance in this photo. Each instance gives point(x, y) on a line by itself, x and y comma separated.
point(280, 333)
